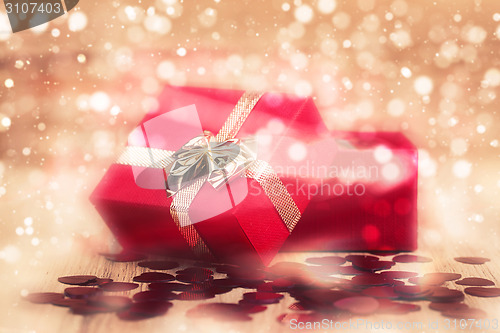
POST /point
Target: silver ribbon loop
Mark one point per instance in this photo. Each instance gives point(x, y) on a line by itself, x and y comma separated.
point(207, 158)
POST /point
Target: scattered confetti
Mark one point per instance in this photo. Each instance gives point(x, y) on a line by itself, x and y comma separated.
point(441, 294)
point(448, 306)
point(320, 293)
point(482, 291)
point(472, 260)
point(44, 298)
point(469, 313)
point(474, 281)
point(262, 297)
point(81, 292)
point(409, 258)
point(358, 305)
point(114, 303)
point(78, 279)
point(159, 265)
point(149, 277)
point(170, 286)
point(69, 302)
point(154, 295)
point(398, 274)
point(118, 286)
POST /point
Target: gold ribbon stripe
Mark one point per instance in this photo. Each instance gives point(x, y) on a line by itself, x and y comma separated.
point(276, 191)
point(146, 157)
point(179, 209)
point(238, 116)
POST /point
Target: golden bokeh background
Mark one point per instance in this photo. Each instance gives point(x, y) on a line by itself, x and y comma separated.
point(71, 90)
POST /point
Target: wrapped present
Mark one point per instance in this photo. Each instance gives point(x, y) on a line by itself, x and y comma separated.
point(191, 181)
point(364, 198)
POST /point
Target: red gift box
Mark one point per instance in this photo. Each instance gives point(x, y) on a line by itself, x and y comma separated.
point(364, 200)
point(251, 229)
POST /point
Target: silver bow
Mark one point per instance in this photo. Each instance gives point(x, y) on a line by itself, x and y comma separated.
point(205, 157)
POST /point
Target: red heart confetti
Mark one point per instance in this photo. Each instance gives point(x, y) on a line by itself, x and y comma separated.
point(482, 291)
point(358, 305)
point(81, 292)
point(475, 281)
point(154, 295)
point(409, 258)
point(445, 295)
point(467, 314)
point(111, 302)
point(149, 277)
point(169, 286)
point(398, 274)
point(472, 260)
point(77, 279)
point(44, 298)
point(262, 297)
point(380, 292)
point(118, 286)
point(450, 306)
point(314, 287)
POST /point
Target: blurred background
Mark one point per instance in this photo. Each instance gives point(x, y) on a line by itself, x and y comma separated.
point(72, 89)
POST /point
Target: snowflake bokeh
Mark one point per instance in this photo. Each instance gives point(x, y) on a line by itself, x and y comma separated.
point(72, 89)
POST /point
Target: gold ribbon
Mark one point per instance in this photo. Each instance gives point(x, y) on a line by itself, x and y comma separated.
point(259, 170)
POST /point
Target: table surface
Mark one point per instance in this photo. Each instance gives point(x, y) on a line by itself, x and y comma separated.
point(22, 316)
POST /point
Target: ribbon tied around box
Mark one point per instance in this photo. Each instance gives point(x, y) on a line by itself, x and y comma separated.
point(205, 156)
point(213, 159)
